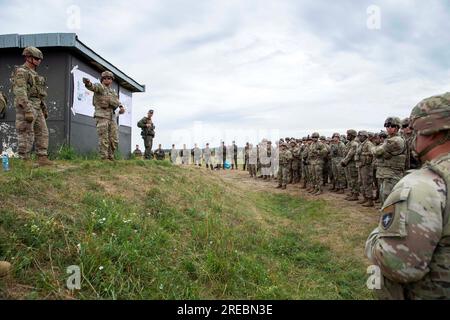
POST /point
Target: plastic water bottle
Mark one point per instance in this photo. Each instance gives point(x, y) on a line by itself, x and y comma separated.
point(5, 162)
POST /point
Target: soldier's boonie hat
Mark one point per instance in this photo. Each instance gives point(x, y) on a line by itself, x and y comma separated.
point(431, 115)
point(33, 52)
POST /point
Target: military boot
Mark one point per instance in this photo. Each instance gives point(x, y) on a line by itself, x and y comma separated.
point(43, 161)
point(363, 201)
point(369, 203)
point(279, 186)
point(333, 188)
point(5, 267)
point(340, 191)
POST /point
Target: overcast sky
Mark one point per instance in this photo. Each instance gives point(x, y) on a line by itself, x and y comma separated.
point(248, 69)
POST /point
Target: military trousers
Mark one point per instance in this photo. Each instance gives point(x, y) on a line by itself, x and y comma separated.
point(29, 133)
point(386, 186)
point(366, 176)
point(252, 170)
point(338, 173)
point(317, 173)
point(283, 174)
point(148, 143)
point(352, 177)
point(107, 137)
point(295, 172)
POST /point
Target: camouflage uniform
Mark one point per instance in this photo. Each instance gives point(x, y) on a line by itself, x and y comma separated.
point(391, 159)
point(137, 153)
point(337, 154)
point(207, 156)
point(349, 163)
point(197, 156)
point(317, 153)
point(252, 160)
point(295, 150)
point(246, 155)
point(173, 155)
point(3, 103)
point(364, 160)
point(148, 134)
point(303, 157)
point(411, 245)
point(30, 91)
point(105, 102)
point(160, 154)
point(283, 171)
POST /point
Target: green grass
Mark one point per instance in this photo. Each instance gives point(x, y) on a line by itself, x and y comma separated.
point(148, 230)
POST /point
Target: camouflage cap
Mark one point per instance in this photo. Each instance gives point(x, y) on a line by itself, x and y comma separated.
point(363, 133)
point(431, 115)
point(351, 132)
point(33, 52)
point(315, 135)
point(107, 74)
point(393, 121)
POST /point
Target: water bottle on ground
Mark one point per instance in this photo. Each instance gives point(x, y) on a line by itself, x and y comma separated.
point(5, 162)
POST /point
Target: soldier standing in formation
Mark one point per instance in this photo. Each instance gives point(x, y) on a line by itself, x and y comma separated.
point(295, 150)
point(159, 153)
point(147, 133)
point(105, 102)
point(317, 153)
point(391, 158)
point(252, 160)
point(246, 155)
point(364, 160)
point(350, 165)
point(283, 171)
point(234, 150)
point(197, 156)
point(173, 154)
point(411, 245)
point(337, 149)
point(30, 92)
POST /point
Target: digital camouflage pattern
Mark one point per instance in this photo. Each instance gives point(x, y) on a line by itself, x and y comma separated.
point(350, 165)
point(285, 157)
point(364, 160)
point(105, 102)
point(317, 152)
point(147, 133)
point(431, 115)
point(337, 150)
point(412, 242)
point(30, 92)
point(391, 161)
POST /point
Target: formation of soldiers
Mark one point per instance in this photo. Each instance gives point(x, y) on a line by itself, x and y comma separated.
point(367, 164)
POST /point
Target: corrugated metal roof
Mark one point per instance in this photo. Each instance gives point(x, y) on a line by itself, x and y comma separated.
point(67, 40)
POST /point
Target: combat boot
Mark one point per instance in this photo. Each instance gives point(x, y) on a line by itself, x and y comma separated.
point(333, 188)
point(363, 201)
point(5, 267)
point(43, 161)
point(369, 203)
point(340, 191)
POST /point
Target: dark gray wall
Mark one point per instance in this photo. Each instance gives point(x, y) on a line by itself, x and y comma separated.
point(64, 127)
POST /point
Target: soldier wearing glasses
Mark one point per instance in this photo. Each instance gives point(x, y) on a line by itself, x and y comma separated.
point(391, 158)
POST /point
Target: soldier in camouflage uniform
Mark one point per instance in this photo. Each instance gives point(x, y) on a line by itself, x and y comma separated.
point(337, 149)
point(207, 156)
point(364, 161)
point(246, 156)
point(105, 102)
point(295, 150)
point(30, 92)
point(159, 153)
point(283, 170)
point(349, 163)
point(411, 157)
point(411, 245)
point(3, 103)
point(147, 133)
point(252, 160)
point(391, 158)
point(327, 176)
point(137, 152)
point(317, 152)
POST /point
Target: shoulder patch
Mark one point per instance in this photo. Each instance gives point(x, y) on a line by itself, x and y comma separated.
point(387, 216)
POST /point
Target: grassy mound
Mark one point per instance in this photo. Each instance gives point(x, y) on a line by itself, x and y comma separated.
point(149, 230)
